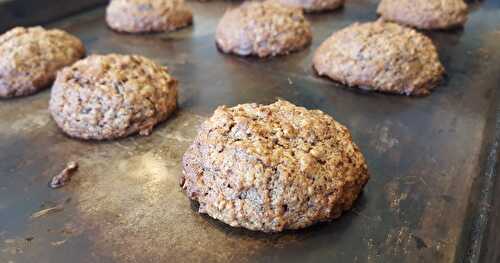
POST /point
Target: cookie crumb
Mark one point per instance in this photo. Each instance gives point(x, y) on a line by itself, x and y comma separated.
point(64, 176)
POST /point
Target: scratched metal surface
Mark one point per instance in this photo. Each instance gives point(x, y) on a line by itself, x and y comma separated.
point(427, 156)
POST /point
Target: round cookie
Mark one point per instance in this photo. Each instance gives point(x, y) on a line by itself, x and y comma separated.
point(314, 5)
point(112, 96)
point(143, 16)
point(263, 29)
point(30, 58)
point(425, 14)
point(273, 167)
point(380, 56)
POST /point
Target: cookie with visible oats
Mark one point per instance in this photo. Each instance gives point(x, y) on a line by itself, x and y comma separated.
point(144, 16)
point(425, 14)
point(273, 167)
point(263, 29)
point(112, 96)
point(380, 56)
point(30, 58)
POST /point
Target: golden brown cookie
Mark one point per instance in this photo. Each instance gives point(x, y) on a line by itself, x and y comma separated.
point(263, 29)
point(112, 96)
point(380, 56)
point(30, 58)
point(425, 14)
point(273, 167)
point(143, 16)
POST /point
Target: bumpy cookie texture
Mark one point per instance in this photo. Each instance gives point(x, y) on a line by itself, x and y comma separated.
point(30, 58)
point(380, 56)
point(263, 29)
point(143, 16)
point(425, 14)
point(273, 167)
point(314, 5)
point(112, 96)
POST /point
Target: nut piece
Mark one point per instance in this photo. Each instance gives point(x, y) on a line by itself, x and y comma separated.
point(273, 167)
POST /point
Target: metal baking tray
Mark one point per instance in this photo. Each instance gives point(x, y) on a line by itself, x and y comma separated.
point(432, 159)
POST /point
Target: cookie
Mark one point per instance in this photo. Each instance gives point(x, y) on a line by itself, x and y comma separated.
point(425, 14)
point(144, 16)
point(273, 167)
point(263, 29)
point(314, 5)
point(30, 58)
point(112, 96)
point(380, 56)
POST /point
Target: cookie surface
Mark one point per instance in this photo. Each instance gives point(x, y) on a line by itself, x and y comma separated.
point(273, 167)
point(112, 96)
point(314, 5)
point(425, 14)
point(30, 58)
point(263, 29)
point(380, 56)
point(143, 16)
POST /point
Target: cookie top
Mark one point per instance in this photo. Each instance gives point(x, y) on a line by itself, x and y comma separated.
point(273, 167)
point(30, 58)
point(380, 56)
point(425, 14)
point(112, 96)
point(314, 5)
point(263, 29)
point(142, 16)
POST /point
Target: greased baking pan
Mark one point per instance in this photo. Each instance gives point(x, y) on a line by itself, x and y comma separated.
point(432, 159)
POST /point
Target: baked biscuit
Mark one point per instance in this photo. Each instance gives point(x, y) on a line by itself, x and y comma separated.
point(263, 29)
point(112, 96)
point(30, 58)
point(425, 14)
point(144, 16)
point(380, 56)
point(273, 167)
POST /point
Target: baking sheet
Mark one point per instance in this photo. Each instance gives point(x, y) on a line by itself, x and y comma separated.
point(428, 156)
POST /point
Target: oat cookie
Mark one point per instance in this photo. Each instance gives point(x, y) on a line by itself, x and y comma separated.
point(314, 5)
point(263, 29)
point(380, 56)
point(425, 14)
point(30, 58)
point(112, 96)
point(273, 167)
point(143, 16)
